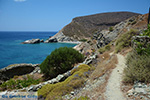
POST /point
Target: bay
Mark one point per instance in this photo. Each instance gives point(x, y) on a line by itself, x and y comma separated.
point(12, 51)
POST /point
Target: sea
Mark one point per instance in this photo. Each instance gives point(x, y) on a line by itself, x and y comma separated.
point(13, 52)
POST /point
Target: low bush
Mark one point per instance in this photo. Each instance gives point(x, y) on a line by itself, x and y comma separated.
point(83, 40)
point(17, 84)
point(82, 98)
point(107, 63)
point(147, 31)
point(142, 48)
point(56, 91)
point(111, 29)
point(105, 48)
point(60, 61)
point(138, 68)
point(124, 40)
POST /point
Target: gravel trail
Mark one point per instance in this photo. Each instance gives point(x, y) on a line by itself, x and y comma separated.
point(113, 91)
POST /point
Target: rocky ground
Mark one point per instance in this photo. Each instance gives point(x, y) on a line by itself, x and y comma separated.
point(137, 91)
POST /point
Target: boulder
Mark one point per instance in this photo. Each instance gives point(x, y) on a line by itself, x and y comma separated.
point(42, 40)
point(90, 59)
point(138, 89)
point(33, 41)
point(51, 40)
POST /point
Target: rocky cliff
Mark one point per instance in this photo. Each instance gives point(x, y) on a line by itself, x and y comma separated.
point(85, 26)
point(104, 37)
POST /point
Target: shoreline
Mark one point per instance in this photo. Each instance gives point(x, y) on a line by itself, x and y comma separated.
point(13, 64)
point(70, 42)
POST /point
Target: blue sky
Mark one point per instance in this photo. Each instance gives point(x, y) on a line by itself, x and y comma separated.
point(52, 15)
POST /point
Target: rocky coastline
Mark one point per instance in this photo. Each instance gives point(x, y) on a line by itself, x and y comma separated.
point(54, 39)
point(34, 69)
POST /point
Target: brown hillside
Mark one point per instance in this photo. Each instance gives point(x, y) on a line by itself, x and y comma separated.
point(85, 26)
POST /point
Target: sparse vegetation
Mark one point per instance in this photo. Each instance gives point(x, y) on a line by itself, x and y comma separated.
point(82, 98)
point(105, 48)
point(147, 32)
point(138, 62)
point(103, 67)
point(17, 83)
point(142, 48)
point(111, 29)
point(86, 25)
point(60, 61)
point(76, 80)
point(124, 40)
point(138, 68)
point(83, 40)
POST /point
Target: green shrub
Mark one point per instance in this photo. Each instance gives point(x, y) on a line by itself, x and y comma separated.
point(125, 40)
point(60, 61)
point(76, 80)
point(138, 68)
point(83, 40)
point(17, 84)
point(105, 48)
point(82, 98)
point(147, 32)
point(142, 48)
point(111, 29)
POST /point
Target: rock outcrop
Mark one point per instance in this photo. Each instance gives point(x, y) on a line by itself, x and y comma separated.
point(51, 40)
point(106, 36)
point(16, 69)
point(60, 37)
point(33, 41)
point(42, 40)
point(145, 40)
point(90, 59)
point(59, 78)
point(139, 90)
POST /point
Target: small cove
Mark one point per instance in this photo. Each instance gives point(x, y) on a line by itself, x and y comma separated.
point(12, 51)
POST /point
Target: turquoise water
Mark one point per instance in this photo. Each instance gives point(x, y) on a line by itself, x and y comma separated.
point(12, 51)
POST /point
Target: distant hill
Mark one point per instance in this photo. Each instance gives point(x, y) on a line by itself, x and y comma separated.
point(85, 26)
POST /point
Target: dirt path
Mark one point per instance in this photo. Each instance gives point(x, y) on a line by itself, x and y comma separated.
point(113, 91)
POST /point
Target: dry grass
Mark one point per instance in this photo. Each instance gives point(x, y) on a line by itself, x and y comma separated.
point(76, 80)
point(142, 24)
point(100, 90)
point(104, 67)
point(108, 62)
point(125, 51)
point(34, 76)
point(124, 40)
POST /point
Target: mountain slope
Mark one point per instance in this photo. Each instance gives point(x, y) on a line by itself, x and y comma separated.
point(85, 26)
